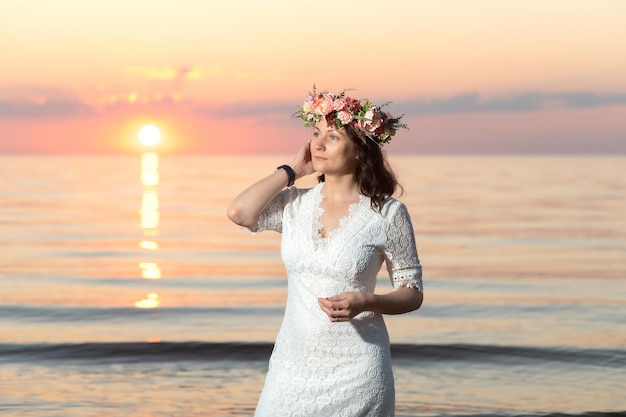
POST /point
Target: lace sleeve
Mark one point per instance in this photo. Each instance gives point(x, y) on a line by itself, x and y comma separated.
point(271, 218)
point(401, 257)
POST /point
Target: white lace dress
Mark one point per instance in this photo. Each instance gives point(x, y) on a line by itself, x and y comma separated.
point(319, 368)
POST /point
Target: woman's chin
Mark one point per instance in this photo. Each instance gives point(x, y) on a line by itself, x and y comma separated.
point(317, 166)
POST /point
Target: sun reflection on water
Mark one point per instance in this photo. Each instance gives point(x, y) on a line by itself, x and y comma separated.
point(150, 270)
point(149, 244)
point(150, 169)
point(152, 300)
point(150, 210)
point(149, 223)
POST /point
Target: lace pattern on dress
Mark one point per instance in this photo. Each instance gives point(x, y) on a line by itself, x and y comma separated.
point(319, 240)
point(400, 250)
point(412, 279)
point(271, 218)
point(319, 368)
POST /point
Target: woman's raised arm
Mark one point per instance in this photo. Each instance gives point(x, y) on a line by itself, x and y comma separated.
point(245, 208)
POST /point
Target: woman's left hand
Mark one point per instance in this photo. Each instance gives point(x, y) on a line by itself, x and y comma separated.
point(344, 306)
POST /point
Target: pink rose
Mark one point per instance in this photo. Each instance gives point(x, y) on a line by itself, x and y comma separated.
point(339, 104)
point(345, 117)
point(324, 104)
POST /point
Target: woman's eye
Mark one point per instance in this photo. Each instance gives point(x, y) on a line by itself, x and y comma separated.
point(316, 134)
point(333, 137)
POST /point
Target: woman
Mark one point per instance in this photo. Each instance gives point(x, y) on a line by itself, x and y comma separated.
point(331, 356)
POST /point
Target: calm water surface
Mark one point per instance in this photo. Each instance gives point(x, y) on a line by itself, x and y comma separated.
point(125, 291)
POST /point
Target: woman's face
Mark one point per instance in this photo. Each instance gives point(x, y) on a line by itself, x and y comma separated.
point(332, 151)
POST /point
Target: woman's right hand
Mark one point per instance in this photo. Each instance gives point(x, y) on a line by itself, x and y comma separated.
point(301, 163)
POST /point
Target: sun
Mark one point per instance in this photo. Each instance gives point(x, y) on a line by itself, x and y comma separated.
point(149, 135)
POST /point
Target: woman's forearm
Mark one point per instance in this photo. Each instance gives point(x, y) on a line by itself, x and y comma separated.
point(245, 209)
point(347, 305)
point(400, 301)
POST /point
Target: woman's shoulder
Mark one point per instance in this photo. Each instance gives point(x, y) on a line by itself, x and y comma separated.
point(306, 191)
point(295, 194)
point(391, 206)
point(392, 203)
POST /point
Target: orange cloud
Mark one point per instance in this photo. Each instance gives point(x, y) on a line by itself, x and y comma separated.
point(167, 73)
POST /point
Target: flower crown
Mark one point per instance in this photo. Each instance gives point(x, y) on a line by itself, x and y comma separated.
point(367, 120)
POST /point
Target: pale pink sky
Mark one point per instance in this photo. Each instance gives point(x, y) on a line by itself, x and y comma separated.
point(222, 77)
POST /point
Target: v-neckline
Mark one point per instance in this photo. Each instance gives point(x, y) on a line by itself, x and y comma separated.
point(319, 211)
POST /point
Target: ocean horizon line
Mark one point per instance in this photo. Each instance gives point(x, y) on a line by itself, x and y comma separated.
point(390, 153)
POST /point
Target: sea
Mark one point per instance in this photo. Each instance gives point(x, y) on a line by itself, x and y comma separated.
point(126, 291)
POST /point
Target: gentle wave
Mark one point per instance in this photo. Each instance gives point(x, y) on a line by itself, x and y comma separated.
point(92, 314)
point(136, 351)
point(509, 355)
point(241, 352)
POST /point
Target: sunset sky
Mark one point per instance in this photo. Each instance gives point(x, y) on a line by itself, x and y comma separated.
point(484, 76)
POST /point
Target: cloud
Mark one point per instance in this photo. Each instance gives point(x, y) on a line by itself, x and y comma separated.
point(34, 101)
point(462, 103)
point(43, 108)
point(45, 104)
point(251, 109)
point(525, 102)
point(167, 73)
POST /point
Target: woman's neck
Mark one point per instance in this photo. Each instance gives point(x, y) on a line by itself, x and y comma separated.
point(341, 187)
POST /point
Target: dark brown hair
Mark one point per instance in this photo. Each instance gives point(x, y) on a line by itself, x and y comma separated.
point(374, 176)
